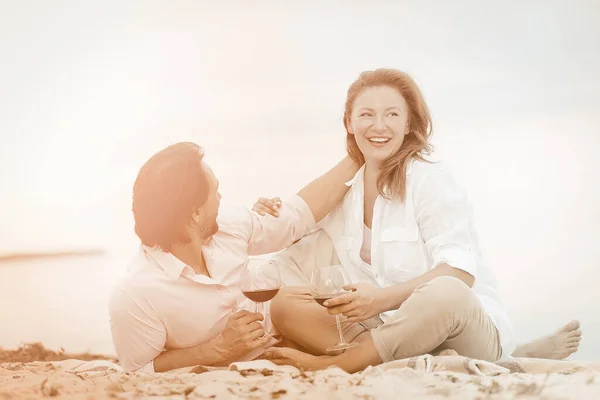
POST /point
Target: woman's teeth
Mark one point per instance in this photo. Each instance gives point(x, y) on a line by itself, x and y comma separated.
point(379, 139)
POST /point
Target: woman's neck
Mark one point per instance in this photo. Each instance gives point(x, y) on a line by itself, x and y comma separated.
point(371, 176)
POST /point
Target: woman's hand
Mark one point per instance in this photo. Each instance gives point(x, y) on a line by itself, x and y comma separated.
point(359, 305)
point(267, 206)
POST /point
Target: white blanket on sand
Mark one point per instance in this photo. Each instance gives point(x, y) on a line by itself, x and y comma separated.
point(424, 377)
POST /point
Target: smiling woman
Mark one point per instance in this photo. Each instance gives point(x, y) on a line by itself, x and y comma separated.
point(405, 234)
point(387, 121)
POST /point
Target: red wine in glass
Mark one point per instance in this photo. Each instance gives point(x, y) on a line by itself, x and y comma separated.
point(260, 282)
point(322, 298)
point(261, 296)
point(329, 282)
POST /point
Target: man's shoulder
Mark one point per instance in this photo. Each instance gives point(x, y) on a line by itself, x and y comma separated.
point(235, 221)
point(140, 281)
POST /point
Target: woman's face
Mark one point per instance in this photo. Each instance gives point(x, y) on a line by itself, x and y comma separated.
point(379, 121)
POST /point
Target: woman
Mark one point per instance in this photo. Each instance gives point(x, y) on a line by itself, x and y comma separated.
point(405, 232)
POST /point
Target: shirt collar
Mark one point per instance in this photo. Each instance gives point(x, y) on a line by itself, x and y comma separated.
point(172, 266)
point(357, 176)
point(361, 172)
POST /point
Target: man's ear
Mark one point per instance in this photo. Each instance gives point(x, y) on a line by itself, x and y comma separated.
point(196, 216)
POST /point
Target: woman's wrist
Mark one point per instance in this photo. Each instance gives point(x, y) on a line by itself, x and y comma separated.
point(390, 298)
point(382, 300)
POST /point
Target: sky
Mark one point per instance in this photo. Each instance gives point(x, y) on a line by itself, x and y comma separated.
point(89, 90)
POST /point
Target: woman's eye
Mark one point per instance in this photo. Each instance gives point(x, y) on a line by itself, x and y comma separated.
point(393, 114)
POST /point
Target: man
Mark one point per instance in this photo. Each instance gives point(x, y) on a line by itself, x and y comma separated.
point(177, 306)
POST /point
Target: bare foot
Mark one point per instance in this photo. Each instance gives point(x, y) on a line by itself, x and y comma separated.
point(557, 346)
point(296, 358)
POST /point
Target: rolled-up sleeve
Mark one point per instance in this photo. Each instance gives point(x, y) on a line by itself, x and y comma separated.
point(268, 234)
point(138, 335)
point(444, 215)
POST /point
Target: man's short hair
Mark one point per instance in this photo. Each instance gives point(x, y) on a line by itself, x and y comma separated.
point(170, 186)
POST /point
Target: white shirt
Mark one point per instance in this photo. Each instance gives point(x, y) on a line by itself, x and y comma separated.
point(433, 226)
point(162, 304)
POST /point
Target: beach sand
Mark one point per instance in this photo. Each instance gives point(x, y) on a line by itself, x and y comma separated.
point(60, 375)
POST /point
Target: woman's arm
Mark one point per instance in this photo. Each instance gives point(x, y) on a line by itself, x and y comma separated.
point(443, 214)
point(325, 192)
point(298, 216)
point(392, 297)
point(321, 195)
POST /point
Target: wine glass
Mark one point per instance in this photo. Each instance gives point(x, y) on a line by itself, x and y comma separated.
point(260, 282)
point(329, 282)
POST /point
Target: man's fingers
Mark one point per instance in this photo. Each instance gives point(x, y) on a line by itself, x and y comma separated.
point(339, 300)
point(251, 317)
point(240, 314)
point(263, 341)
point(255, 335)
point(254, 326)
point(259, 339)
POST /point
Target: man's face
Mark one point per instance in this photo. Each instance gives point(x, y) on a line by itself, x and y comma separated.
point(206, 224)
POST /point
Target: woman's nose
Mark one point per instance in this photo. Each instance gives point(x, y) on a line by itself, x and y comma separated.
point(379, 124)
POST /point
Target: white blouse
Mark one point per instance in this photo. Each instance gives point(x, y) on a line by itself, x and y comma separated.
point(433, 226)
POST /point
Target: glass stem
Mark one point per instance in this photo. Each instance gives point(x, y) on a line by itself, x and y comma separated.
point(339, 328)
point(260, 308)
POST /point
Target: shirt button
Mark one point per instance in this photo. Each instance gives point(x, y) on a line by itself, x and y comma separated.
point(222, 288)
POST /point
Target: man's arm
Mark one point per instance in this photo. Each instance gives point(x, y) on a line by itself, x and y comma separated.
point(242, 335)
point(202, 354)
point(139, 338)
point(137, 332)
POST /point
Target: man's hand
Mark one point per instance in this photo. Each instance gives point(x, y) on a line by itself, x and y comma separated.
point(242, 334)
point(364, 302)
point(266, 206)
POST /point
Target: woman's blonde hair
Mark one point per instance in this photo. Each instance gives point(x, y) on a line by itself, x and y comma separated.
point(416, 144)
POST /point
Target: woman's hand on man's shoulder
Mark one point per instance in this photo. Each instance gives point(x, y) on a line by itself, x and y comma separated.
point(266, 206)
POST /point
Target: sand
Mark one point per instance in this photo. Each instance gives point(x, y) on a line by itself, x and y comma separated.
point(424, 377)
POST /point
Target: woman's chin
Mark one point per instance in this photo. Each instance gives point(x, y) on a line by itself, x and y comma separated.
point(376, 157)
